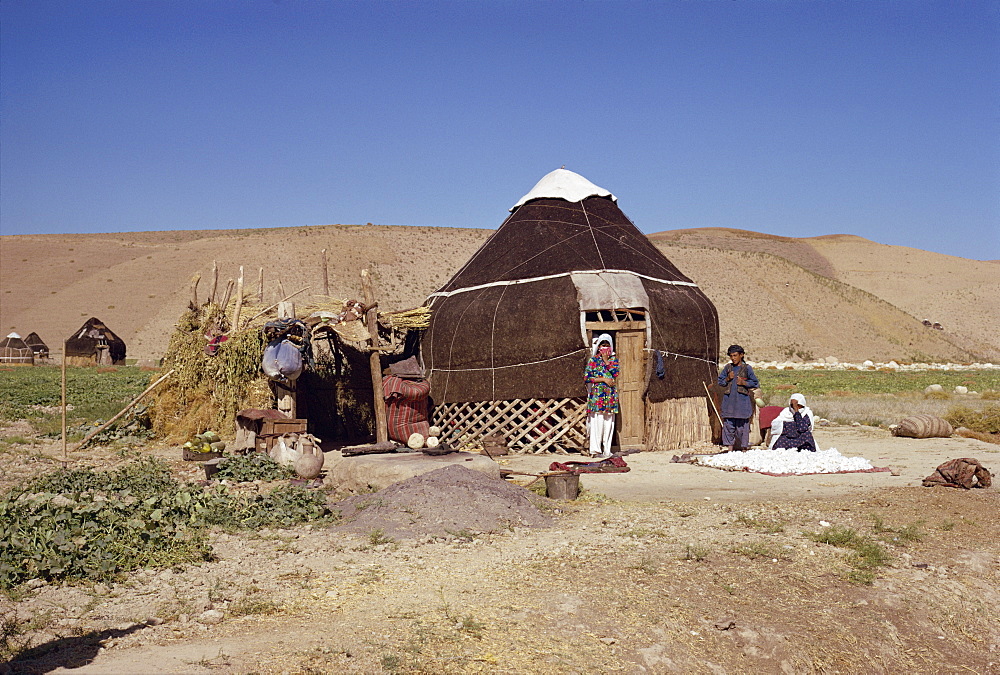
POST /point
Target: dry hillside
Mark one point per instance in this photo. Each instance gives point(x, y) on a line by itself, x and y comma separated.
point(845, 296)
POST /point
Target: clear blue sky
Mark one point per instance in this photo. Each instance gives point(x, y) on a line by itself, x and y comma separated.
point(797, 118)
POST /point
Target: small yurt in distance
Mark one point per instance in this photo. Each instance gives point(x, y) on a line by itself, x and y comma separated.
point(94, 344)
point(511, 332)
point(14, 351)
point(38, 346)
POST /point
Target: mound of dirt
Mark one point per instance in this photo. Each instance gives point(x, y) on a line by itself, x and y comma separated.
point(443, 502)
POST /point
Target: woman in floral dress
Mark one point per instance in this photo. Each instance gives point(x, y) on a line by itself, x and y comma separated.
point(602, 396)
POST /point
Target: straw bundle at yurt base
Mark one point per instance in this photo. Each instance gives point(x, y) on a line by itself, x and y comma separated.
point(512, 330)
point(15, 352)
point(216, 350)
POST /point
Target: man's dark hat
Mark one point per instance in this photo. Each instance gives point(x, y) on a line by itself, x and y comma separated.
point(735, 349)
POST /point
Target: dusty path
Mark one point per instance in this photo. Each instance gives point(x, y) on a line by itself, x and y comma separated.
point(643, 575)
point(654, 478)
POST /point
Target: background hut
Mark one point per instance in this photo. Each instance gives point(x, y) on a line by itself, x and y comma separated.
point(13, 350)
point(38, 346)
point(94, 344)
point(510, 333)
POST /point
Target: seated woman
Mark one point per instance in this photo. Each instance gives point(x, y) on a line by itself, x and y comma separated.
point(794, 426)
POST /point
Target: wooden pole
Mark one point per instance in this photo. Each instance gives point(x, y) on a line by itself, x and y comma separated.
point(239, 301)
point(124, 410)
point(281, 291)
point(225, 298)
point(194, 290)
point(371, 320)
point(215, 282)
point(260, 286)
point(712, 401)
point(326, 275)
point(65, 343)
point(268, 309)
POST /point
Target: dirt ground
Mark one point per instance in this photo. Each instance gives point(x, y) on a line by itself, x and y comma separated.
point(667, 568)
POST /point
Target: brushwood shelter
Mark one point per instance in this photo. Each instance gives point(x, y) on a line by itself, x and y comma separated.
point(511, 331)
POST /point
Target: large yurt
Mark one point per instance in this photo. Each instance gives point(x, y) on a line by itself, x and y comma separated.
point(94, 344)
point(14, 351)
point(511, 332)
point(38, 346)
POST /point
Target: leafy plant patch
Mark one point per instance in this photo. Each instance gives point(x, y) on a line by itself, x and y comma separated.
point(85, 524)
point(250, 467)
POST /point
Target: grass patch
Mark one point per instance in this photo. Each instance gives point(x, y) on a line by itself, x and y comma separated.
point(695, 553)
point(874, 382)
point(764, 525)
point(868, 555)
point(760, 550)
point(986, 420)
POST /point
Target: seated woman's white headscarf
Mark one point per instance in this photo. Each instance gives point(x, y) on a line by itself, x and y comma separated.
point(787, 415)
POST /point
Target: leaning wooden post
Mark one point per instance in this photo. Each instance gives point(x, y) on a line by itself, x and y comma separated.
point(124, 410)
point(65, 344)
point(326, 274)
point(260, 286)
point(239, 301)
point(194, 290)
point(215, 282)
point(371, 320)
point(225, 298)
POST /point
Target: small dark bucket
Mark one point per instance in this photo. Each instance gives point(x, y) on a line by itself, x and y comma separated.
point(562, 486)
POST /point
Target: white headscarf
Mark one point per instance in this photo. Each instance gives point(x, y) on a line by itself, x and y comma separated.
point(787, 415)
point(603, 337)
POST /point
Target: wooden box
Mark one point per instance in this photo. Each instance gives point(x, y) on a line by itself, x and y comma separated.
point(278, 427)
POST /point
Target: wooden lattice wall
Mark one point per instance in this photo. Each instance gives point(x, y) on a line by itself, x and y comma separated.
point(529, 425)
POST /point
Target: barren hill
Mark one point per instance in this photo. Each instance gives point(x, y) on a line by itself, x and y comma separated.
point(781, 297)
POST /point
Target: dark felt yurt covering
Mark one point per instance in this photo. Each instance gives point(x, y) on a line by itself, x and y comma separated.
point(492, 340)
point(84, 345)
point(13, 350)
point(38, 346)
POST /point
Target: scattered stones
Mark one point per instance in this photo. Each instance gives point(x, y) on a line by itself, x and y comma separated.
point(933, 388)
point(210, 617)
point(961, 390)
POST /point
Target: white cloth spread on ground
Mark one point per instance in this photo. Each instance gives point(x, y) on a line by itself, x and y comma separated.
point(787, 461)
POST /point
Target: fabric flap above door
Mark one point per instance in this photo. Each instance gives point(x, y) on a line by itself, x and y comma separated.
point(609, 290)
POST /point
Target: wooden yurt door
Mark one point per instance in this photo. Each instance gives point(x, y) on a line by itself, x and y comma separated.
point(630, 347)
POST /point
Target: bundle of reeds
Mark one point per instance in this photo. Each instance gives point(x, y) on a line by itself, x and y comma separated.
point(417, 318)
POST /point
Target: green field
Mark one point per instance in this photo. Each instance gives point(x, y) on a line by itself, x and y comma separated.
point(861, 382)
point(93, 393)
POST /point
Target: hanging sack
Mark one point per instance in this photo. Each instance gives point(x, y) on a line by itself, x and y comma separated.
point(282, 361)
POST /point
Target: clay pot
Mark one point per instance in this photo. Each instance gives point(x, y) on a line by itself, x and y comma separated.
point(310, 463)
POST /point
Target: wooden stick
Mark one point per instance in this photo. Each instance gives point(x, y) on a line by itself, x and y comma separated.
point(239, 299)
point(712, 401)
point(281, 290)
point(124, 410)
point(371, 319)
point(194, 290)
point(326, 275)
point(65, 343)
point(260, 285)
point(289, 297)
point(225, 298)
point(215, 282)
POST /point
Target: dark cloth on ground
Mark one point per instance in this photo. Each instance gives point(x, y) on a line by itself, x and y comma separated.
point(960, 473)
